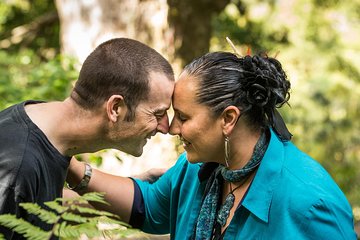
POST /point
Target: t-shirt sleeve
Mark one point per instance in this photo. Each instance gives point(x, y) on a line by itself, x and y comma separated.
point(10, 205)
point(137, 217)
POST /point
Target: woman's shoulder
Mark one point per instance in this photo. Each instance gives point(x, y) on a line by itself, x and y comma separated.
point(306, 183)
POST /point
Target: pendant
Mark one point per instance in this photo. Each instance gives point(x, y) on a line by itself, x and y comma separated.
point(225, 209)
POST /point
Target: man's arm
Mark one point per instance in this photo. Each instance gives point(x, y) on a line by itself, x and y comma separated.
point(119, 191)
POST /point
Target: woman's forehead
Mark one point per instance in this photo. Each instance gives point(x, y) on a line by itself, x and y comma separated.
point(185, 90)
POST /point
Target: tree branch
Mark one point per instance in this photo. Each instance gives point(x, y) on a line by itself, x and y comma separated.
point(27, 32)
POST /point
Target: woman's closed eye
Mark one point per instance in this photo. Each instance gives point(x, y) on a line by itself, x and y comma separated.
point(181, 117)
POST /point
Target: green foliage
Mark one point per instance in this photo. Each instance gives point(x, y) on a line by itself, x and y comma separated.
point(71, 218)
point(44, 215)
point(30, 64)
point(29, 24)
point(24, 228)
point(23, 76)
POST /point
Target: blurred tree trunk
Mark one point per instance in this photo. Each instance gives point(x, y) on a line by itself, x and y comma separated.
point(191, 21)
point(178, 29)
point(85, 24)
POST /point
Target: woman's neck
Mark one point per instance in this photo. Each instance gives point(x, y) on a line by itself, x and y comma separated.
point(242, 144)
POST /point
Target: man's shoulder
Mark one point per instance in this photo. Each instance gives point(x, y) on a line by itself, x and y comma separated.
point(14, 137)
point(14, 148)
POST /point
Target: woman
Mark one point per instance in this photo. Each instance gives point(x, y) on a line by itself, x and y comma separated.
point(240, 177)
point(254, 183)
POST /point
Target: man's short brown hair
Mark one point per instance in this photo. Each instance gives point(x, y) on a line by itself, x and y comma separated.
point(118, 66)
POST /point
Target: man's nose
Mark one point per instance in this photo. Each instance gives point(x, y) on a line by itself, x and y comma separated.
point(163, 124)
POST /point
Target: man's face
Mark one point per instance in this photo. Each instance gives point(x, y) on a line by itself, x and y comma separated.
point(150, 116)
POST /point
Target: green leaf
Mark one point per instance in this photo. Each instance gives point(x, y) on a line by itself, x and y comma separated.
point(68, 216)
point(44, 215)
point(86, 210)
point(109, 221)
point(54, 205)
point(76, 220)
point(95, 197)
point(21, 226)
point(74, 231)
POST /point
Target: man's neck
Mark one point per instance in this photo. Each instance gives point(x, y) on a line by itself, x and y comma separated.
point(70, 129)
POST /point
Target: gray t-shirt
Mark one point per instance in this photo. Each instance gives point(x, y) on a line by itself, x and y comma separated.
point(31, 168)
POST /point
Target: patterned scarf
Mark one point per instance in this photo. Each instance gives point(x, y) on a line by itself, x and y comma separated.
point(208, 212)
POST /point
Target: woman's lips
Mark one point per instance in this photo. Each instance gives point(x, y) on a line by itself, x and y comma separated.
point(185, 143)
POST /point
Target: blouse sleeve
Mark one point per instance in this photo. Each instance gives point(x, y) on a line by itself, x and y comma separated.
point(330, 221)
point(158, 198)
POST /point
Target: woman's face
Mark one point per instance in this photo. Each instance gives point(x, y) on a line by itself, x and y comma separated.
point(199, 130)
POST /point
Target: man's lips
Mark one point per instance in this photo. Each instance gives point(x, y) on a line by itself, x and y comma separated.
point(151, 135)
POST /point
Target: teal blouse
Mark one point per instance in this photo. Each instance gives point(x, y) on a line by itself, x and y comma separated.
point(291, 197)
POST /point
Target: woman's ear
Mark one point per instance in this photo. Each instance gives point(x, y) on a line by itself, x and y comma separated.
point(230, 117)
point(116, 108)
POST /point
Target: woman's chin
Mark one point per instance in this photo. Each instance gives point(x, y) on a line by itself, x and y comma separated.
point(192, 159)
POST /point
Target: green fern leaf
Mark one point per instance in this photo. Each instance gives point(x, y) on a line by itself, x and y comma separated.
point(86, 210)
point(73, 201)
point(75, 231)
point(56, 206)
point(24, 228)
point(2, 237)
point(120, 233)
point(77, 220)
point(71, 217)
point(109, 221)
point(95, 197)
point(44, 215)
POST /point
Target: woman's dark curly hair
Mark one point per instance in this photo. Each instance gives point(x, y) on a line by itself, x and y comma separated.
point(255, 84)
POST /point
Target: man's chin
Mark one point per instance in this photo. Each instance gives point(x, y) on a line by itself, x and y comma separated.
point(135, 152)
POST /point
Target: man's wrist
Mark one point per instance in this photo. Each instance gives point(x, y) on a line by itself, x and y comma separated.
point(84, 182)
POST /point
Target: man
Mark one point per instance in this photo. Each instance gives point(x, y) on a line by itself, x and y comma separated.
point(119, 101)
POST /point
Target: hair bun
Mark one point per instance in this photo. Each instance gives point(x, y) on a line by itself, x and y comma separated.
point(264, 82)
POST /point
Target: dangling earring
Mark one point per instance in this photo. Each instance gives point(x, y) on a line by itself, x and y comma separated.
point(227, 151)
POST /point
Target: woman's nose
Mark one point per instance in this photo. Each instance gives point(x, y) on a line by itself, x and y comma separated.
point(163, 124)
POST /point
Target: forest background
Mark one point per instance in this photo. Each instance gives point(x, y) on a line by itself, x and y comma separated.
point(43, 43)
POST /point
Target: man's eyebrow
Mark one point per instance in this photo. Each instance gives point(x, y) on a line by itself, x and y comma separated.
point(161, 110)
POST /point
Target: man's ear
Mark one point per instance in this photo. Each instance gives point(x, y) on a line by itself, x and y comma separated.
point(230, 116)
point(116, 108)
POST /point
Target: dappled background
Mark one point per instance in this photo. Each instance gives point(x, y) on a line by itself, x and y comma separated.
point(43, 43)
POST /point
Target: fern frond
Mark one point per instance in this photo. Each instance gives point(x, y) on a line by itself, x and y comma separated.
point(44, 215)
point(95, 197)
point(110, 221)
point(120, 233)
point(86, 210)
point(2, 237)
point(24, 228)
point(76, 220)
point(72, 217)
point(56, 206)
point(74, 231)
